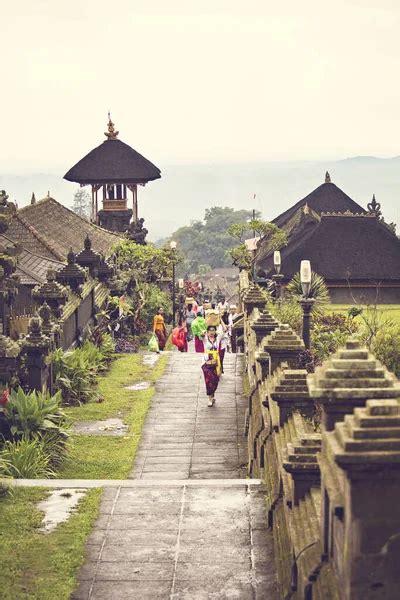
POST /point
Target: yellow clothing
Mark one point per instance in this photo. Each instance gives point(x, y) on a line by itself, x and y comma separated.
point(158, 324)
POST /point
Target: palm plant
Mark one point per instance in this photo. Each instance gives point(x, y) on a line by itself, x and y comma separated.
point(318, 291)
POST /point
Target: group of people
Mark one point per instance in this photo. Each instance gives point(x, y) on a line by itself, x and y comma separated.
point(210, 326)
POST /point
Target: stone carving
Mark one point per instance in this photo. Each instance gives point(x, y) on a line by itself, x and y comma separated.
point(137, 233)
point(374, 207)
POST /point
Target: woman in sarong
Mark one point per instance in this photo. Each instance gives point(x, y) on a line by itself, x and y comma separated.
point(211, 364)
point(159, 328)
point(199, 329)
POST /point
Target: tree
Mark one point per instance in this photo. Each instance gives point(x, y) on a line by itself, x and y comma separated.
point(140, 270)
point(81, 203)
point(206, 242)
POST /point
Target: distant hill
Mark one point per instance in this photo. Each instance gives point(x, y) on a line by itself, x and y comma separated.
point(186, 190)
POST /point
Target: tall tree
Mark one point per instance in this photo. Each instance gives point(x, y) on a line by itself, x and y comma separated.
point(81, 203)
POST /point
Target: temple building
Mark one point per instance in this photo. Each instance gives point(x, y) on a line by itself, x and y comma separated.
point(42, 234)
point(356, 252)
point(113, 170)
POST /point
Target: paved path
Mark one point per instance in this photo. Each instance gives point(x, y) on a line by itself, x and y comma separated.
point(184, 438)
point(187, 525)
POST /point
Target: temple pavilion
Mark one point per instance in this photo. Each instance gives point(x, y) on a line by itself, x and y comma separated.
point(114, 171)
point(356, 252)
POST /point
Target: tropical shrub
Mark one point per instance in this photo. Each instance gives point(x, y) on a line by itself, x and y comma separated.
point(318, 291)
point(26, 415)
point(386, 347)
point(25, 458)
point(288, 312)
point(107, 347)
point(75, 371)
point(330, 331)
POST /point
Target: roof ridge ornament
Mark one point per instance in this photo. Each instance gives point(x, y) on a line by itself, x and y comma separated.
point(374, 207)
point(33, 199)
point(111, 134)
point(327, 177)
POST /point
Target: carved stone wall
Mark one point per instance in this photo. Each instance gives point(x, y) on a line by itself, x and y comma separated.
point(332, 487)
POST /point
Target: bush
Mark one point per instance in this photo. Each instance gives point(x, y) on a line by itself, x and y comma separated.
point(107, 347)
point(25, 458)
point(386, 347)
point(329, 332)
point(32, 414)
point(75, 371)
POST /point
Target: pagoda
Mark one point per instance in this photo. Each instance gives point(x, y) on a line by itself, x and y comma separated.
point(113, 170)
point(354, 250)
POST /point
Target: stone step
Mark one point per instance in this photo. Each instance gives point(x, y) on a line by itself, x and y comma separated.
point(354, 354)
point(355, 383)
point(349, 374)
point(338, 363)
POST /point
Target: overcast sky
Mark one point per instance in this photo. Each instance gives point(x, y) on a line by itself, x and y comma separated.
point(216, 80)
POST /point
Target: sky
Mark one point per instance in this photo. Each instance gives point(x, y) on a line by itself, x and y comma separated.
point(199, 82)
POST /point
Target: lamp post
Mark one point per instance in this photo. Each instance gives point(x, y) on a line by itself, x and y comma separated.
point(181, 286)
point(277, 277)
point(306, 302)
point(172, 245)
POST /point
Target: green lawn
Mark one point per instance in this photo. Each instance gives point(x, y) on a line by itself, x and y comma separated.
point(391, 311)
point(102, 457)
point(41, 566)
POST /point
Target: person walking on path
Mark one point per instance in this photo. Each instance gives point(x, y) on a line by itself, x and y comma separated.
point(179, 336)
point(199, 329)
point(190, 317)
point(159, 328)
point(211, 364)
point(223, 337)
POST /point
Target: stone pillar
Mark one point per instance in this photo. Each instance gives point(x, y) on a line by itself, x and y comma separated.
point(72, 274)
point(51, 292)
point(291, 393)
point(263, 325)
point(36, 347)
point(362, 455)
point(303, 466)
point(283, 345)
point(347, 379)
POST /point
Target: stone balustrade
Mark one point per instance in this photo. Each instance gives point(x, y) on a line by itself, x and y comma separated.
point(327, 446)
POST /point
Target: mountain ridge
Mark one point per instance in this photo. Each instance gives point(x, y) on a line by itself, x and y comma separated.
point(186, 190)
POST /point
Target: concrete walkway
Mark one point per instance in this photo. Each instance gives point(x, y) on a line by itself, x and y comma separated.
point(187, 525)
point(185, 439)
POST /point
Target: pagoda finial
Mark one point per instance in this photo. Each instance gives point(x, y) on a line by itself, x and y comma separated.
point(33, 199)
point(327, 177)
point(306, 209)
point(111, 134)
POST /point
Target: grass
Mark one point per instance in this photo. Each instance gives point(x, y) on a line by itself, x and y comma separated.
point(106, 457)
point(41, 566)
point(390, 311)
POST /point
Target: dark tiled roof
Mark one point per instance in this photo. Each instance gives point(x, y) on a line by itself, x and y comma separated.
point(325, 198)
point(113, 161)
point(62, 229)
point(22, 233)
point(340, 247)
point(32, 269)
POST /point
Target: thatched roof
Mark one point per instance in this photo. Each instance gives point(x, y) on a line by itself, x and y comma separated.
point(339, 246)
point(113, 162)
point(325, 198)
